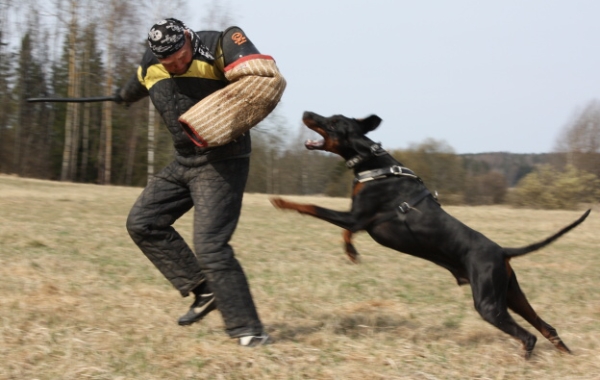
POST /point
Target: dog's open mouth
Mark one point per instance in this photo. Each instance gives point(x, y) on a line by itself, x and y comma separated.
point(308, 120)
point(314, 144)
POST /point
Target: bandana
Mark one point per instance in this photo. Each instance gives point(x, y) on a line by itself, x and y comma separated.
point(166, 37)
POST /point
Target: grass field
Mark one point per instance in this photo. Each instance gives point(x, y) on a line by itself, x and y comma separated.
point(79, 301)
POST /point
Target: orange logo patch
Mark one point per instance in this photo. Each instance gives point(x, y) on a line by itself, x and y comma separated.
point(238, 38)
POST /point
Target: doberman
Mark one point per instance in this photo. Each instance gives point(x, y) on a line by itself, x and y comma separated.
point(393, 205)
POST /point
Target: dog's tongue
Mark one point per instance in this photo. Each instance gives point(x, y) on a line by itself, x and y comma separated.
point(314, 144)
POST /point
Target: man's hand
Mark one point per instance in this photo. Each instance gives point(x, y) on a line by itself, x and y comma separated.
point(117, 98)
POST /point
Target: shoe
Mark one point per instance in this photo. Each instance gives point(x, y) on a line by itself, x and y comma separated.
point(255, 340)
point(204, 304)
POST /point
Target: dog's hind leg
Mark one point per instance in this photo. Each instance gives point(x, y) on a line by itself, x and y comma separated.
point(489, 294)
point(501, 319)
point(349, 247)
point(518, 303)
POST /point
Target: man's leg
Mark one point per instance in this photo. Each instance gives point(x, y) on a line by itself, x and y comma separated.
point(217, 190)
point(164, 200)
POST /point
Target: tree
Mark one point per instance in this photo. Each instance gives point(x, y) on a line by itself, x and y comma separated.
point(217, 15)
point(118, 19)
point(92, 72)
point(580, 139)
point(483, 189)
point(7, 127)
point(306, 172)
point(439, 167)
point(267, 150)
point(69, 159)
point(547, 188)
point(340, 181)
point(31, 138)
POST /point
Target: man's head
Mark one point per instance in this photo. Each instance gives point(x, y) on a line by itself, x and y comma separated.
point(170, 41)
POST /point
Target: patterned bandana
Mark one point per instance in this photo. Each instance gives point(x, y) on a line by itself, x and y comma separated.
point(166, 37)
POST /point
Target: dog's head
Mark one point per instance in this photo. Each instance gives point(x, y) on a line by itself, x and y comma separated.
point(341, 135)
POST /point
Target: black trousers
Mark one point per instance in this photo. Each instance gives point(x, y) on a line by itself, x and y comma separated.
point(215, 191)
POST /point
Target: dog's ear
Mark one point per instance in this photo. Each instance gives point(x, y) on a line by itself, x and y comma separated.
point(369, 123)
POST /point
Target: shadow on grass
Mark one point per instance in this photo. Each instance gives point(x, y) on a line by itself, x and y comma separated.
point(352, 325)
point(365, 324)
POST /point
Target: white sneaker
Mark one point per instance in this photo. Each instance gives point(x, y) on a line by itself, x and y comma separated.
point(255, 340)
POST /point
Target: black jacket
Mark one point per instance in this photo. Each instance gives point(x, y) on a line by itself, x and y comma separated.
point(174, 95)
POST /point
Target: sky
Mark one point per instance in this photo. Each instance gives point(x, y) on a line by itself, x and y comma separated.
point(481, 76)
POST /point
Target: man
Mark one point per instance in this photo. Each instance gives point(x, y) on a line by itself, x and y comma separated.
point(193, 79)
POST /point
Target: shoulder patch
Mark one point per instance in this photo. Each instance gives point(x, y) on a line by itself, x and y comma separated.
point(239, 38)
point(236, 45)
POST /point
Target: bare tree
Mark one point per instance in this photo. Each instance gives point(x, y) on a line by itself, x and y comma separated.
point(437, 164)
point(104, 175)
point(31, 140)
point(87, 107)
point(217, 15)
point(268, 149)
point(71, 125)
point(580, 139)
point(119, 20)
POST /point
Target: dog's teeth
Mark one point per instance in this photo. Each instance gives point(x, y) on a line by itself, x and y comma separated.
point(314, 144)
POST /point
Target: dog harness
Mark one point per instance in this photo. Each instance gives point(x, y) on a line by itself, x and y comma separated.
point(394, 170)
point(404, 207)
point(407, 206)
point(370, 175)
point(375, 149)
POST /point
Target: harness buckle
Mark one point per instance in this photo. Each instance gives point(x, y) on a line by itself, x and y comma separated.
point(396, 170)
point(377, 150)
point(404, 207)
point(353, 161)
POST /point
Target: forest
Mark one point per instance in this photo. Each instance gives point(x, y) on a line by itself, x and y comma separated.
point(90, 48)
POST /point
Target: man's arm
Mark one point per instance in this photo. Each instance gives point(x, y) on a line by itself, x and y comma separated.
point(134, 89)
point(254, 90)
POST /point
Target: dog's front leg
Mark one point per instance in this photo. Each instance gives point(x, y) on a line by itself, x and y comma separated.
point(349, 247)
point(341, 219)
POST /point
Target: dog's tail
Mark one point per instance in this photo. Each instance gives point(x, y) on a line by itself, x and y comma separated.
point(513, 252)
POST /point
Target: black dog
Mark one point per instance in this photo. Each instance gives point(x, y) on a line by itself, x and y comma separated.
point(393, 205)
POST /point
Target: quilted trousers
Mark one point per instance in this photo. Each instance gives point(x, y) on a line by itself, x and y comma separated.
point(215, 191)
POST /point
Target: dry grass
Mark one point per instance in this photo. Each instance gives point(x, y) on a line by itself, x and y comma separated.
point(79, 301)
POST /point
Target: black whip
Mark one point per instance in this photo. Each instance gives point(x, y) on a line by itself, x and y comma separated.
point(73, 100)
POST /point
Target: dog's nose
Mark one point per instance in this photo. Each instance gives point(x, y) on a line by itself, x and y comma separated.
point(307, 115)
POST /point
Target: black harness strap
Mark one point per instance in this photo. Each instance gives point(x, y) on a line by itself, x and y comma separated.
point(401, 210)
point(375, 150)
point(370, 175)
point(407, 206)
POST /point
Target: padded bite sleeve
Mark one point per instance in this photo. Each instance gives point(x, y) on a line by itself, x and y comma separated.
point(254, 90)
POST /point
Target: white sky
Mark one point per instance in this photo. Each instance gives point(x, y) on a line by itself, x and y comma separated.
point(480, 75)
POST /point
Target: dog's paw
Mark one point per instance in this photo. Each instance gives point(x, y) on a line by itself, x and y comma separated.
point(352, 253)
point(278, 203)
point(528, 346)
point(282, 204)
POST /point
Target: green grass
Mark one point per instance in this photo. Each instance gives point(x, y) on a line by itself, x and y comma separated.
point(78, 300)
